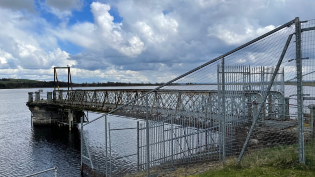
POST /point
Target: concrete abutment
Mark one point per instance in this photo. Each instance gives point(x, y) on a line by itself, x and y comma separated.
point(54, 115)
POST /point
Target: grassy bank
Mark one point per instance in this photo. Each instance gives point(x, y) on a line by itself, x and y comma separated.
point(280, 161)
point(277, 161)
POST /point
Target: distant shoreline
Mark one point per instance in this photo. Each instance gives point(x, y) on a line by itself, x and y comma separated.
point(26, 83)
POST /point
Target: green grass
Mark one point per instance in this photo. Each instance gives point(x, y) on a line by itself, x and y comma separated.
point(262, 171)
point(280, 161)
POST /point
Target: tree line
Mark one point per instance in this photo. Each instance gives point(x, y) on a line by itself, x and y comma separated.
point(42, 84)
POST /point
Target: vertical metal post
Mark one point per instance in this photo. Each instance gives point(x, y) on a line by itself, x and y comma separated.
point(164, 153)
point(70, 117)
point(138, 146)
point(147, 134)
point(54, 96)
point(223, 112)
point(219, 111)
point(312, 116)
point(263, 80)
point(172, 140)
point(68, 77)
point(106, 150)
point(54, 78)
point(299, 88)
point(56, 171)
point(249, 103)
point(282, 82)
point(110, 151)
point(81, 133)
point(270, 107)
point(205, 126)
point(286, 108)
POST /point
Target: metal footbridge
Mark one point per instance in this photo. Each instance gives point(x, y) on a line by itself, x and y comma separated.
point(188, 105)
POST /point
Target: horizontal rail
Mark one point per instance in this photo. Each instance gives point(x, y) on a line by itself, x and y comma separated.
point(122, 129)
point(50, 169)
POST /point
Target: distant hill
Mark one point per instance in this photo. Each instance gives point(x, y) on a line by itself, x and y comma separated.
point(8, 83)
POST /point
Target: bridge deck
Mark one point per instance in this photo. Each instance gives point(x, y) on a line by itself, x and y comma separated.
point(194, 106)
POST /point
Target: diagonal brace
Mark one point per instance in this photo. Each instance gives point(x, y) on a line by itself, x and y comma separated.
point(265, 98)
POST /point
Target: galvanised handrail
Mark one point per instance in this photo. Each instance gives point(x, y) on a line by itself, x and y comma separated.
point(50, 169)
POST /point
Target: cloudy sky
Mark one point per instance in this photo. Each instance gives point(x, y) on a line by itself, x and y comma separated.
point(131, 40)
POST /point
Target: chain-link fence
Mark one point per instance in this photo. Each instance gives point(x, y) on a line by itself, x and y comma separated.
point(308, 83)
point(252, 99)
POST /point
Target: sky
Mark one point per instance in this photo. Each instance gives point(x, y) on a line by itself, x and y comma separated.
point(130, 40)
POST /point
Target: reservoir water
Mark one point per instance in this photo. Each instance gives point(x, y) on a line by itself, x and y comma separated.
point(25, 149)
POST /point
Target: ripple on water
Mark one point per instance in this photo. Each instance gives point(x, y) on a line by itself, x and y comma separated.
point(25, 149)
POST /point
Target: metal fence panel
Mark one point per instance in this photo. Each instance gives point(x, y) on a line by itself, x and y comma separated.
point(240, 103)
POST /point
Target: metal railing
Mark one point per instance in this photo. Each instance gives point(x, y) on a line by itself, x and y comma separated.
point(186, 120)
point(44, 171)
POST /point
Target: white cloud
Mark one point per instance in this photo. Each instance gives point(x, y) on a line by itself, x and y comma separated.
point(4, 57)
point(102, 34)
point(110, 33)
point(81, 34)
point(162, 28)
point(21, 47)
point(155, 41)
point(236, 32)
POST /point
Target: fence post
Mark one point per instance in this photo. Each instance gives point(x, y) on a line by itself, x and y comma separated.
point(147, 134)
point(106, 153)
point(110, 151)
point(56, 171)
point(81, 133)
point(54, 96)
point(286, 108)
point(138, 146)
point(223, 138)
point(172, 140)
point(70, 118)
point(299, 89)
point(312, 117)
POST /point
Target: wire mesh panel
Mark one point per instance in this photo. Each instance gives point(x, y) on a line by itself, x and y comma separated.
point(308, 78)
point(123, 143)
point(242, 90)
point(243, 102)
point(96, 158)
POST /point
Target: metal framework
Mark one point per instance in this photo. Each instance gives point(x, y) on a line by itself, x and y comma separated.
point(56, 77)
point(226, 109)
point(188, 105)
point(248, 110)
